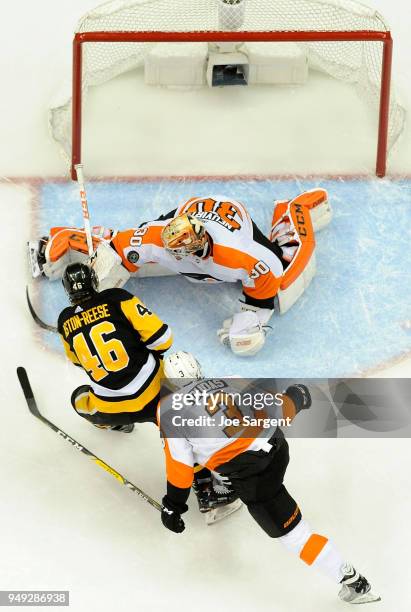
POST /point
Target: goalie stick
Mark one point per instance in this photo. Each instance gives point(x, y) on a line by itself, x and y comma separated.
point(84, 208)
point(35, 316)
point(32, 405)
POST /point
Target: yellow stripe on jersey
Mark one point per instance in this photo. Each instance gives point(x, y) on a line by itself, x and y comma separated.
point(90, 404)
point(161, 341)
point(147, 324)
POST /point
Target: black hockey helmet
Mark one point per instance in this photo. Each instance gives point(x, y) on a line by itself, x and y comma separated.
point(80, 282)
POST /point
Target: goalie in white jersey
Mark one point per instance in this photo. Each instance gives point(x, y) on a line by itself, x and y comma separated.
point(213, 422)
point(212, 240)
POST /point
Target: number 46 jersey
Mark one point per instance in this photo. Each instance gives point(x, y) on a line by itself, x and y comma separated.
point(116, 339)
point(239, 250)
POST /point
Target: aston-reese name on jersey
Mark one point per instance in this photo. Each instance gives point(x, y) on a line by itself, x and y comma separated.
point(119, 342)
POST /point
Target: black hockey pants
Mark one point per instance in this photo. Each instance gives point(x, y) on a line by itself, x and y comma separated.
point(257, 477)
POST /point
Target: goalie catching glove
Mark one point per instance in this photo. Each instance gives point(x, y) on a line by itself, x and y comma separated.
point(245, 331)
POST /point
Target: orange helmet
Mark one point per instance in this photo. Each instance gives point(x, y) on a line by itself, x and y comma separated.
point(184, 235)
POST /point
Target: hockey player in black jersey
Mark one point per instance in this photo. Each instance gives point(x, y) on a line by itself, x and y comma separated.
point(119, 343)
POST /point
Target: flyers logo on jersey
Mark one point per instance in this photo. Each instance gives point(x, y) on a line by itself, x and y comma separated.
point(226, 214)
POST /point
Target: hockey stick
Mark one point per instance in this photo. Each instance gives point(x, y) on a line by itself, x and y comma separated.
point(32, 405)
point(35, 316)
point(84, 207)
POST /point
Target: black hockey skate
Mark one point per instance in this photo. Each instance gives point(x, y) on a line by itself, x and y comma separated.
point(355, 588)
point(123, 428)
point(215, 498)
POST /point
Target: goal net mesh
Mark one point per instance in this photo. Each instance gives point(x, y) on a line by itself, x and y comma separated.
point(356, 62)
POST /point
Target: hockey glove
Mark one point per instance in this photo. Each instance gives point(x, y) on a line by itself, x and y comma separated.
point(263, 314)
point(245, 331)
point(171, 515)
point(301, 397)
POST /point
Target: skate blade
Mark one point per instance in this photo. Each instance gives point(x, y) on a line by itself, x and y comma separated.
point(363, 599)
point(218, 514)
point(367, 598)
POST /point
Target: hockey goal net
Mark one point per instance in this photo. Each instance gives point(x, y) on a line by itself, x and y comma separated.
point(346, 40)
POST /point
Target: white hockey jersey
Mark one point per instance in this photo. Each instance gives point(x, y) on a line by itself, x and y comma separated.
point(212, 421)
point(240, 252)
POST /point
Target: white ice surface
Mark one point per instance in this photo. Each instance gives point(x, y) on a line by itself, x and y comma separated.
point(65, 524)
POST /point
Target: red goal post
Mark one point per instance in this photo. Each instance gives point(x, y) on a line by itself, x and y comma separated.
point(370, 69)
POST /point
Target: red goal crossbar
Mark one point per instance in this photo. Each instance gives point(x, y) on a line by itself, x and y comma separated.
point(293, 36)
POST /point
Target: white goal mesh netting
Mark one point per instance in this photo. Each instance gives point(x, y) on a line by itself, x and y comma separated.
point(356, 62)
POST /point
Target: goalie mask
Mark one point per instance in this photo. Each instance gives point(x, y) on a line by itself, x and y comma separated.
point(80, 282)
point(184, 235)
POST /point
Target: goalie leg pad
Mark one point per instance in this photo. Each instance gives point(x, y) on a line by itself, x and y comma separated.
point(55, 269)
point(66, 245)
point(63, 239)
point(287, 297)
point(315, 200)
point(302, 268)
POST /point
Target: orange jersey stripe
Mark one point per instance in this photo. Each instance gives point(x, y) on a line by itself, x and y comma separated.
point(228, 452)
point(153, 235)
point(312, 548)
point(123, 240)
point(266, 285)
point(178, 474)
point(233, 258)
point(239, 445)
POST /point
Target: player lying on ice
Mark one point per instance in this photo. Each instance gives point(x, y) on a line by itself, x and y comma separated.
point(120, 343)
point(208, 240)
point(253, 460)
